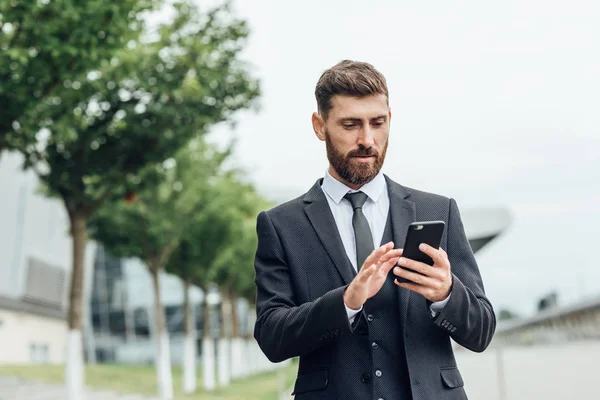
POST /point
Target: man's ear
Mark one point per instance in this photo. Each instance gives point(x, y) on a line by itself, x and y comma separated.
point(318, 126)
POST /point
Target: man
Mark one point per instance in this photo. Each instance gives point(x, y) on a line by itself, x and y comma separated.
point(327, 265)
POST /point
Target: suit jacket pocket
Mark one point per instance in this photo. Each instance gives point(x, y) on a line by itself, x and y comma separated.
point(451, 377)
point(311, 381)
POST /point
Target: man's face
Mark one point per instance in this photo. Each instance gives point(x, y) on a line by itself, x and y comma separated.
point(356, 136)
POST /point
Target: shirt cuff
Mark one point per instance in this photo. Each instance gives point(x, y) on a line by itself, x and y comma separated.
point(352, 313)
point(436, 307)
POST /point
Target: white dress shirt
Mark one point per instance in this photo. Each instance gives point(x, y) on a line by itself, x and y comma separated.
point(376, 210)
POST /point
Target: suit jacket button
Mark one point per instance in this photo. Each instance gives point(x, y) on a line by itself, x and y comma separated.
point(375, 345)
point(370, 318)
point(366, 378)
point(378, 373)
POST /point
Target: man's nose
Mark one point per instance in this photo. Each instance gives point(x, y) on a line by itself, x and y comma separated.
point(365, 137)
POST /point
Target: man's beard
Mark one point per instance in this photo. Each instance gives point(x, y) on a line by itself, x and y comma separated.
point(355, 173)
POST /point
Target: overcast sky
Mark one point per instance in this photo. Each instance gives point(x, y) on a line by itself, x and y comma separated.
point(493, 104)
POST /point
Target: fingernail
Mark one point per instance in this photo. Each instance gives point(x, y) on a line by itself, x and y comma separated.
point(402, 261)
point(422, 246)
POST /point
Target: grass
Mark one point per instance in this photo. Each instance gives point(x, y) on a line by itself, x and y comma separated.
point(142, 380)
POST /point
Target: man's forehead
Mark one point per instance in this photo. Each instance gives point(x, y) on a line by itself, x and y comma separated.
point(358, 107)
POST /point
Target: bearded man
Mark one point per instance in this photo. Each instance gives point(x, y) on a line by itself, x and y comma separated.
point(327, 267)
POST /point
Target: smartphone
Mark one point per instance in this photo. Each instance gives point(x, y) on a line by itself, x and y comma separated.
point(428, 232)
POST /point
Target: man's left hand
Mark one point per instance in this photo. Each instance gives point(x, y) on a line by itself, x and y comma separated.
point(433, 282)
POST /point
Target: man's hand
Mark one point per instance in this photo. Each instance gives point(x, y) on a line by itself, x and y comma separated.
point(435, 282)
point(371, 276)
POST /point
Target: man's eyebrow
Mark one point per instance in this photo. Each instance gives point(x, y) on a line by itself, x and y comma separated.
point(355, 119)
point(349, 119)
point(384, 116)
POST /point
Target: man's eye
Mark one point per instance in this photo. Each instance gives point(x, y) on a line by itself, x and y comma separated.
point(377, 124)
point(349, 126)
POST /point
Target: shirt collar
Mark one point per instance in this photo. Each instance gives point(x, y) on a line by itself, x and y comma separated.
point(337, 190)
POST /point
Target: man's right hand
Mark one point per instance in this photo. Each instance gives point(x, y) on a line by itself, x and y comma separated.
point(371, 276)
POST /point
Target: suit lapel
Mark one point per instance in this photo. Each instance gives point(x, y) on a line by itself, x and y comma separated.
point(321, 218)
point(403, 212)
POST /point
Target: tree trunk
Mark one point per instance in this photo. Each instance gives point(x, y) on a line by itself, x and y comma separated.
point(163, 356)
point(236, 342)
point(224, 341)
point(250, 349)
point(74, 365)
point(189, 349)
point(208, 349)
point(235, 319)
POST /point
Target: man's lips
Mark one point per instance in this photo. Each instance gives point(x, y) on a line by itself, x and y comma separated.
point(363, 158)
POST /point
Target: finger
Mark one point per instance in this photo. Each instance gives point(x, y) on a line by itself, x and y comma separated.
point(416, 278)
point(444, 253)
point(432, 252)
point(420, 267)
point(377, 253)
point(394, 253)
point(366, 273)
point(388, 265)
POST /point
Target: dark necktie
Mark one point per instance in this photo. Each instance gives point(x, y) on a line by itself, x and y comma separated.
point(362, 232)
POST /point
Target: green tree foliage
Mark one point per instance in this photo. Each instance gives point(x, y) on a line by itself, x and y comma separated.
point(45, 44)
point(216, 229)
point(139, 107)
point(151, 226)
point(233, 268)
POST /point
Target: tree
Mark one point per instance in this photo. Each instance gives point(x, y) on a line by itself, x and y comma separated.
point(206, 235)
point(151, 227)
point(47, 43)
point(212, 232)
point(233, 272)
point(233, 269)
point(89, 142)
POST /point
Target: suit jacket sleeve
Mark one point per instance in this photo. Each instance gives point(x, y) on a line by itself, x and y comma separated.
point(468, 316)
point(284, 328)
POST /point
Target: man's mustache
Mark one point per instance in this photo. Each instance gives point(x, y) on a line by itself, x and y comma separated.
point(363, 152)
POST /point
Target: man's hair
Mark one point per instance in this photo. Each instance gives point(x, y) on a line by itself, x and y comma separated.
point(350, 78)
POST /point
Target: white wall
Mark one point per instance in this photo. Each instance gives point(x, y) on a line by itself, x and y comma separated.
point(32, 225)
point(18, 331)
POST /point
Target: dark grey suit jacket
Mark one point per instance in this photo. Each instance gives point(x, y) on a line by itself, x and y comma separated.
point(302, 271)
